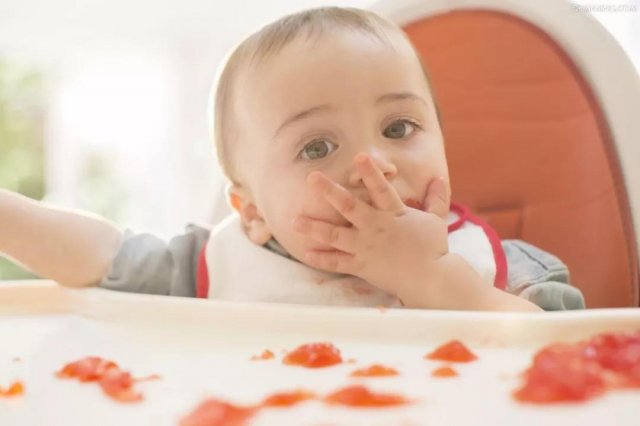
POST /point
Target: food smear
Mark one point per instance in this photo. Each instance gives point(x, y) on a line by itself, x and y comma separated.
point(581, 371)
point(265, 355)
point(114, 382)
point(376, 370)
point(287, 399)
point(453, 351)
point(213, 412)
point(445, 371)
point(118, 385)
point(361, 397)
point(15, 389)
point(314, 355)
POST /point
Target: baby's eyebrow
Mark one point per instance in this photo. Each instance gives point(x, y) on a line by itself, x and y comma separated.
point(301, 116)
point(388, 97)
point(400, 96)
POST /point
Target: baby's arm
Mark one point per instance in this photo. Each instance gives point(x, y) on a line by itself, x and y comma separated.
point(451, 283)
point(75, 249)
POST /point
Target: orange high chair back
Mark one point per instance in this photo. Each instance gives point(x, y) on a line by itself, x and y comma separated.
point(540, 110)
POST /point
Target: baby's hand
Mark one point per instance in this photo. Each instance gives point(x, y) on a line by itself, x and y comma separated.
point(388, 244)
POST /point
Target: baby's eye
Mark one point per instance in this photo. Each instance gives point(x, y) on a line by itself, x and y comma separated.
point(399, 129)
point(317, 149)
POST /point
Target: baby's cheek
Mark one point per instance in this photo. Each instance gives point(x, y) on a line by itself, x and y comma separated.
point(295, 243)
point(283, 220)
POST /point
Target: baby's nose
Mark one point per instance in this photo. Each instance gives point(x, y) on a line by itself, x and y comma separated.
point(380, 161)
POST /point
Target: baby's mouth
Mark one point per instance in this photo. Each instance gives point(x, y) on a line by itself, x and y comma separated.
point(413, 203)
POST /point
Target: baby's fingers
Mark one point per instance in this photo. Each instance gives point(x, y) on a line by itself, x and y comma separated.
point(437, 201)
point(338, 237)
point(383, 194)
point(332, 261)
point(348, 205)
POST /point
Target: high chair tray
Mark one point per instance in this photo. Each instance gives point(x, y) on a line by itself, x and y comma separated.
point(203, 349)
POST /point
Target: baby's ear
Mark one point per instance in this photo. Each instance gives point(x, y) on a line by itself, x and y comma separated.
point(252, 221)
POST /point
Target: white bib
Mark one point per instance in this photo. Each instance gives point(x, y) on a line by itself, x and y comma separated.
point(240, 270)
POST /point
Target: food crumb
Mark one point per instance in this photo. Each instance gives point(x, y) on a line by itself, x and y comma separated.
point(376, 370)
point(444, 371)
point(16, 389)
point(265, 355)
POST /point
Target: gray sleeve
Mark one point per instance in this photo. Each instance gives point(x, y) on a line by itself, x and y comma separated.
point(540, 277)
point(148, 264)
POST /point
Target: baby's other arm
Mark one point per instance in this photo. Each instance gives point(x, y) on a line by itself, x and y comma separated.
point(73, 248)
point(451, 283)
point(540, 277)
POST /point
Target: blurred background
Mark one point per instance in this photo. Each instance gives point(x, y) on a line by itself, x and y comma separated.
point(103, 104)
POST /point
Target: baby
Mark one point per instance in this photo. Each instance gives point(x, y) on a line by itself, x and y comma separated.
point(327, 130)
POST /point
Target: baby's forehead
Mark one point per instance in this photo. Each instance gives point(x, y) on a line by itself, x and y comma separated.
point(303, 47)
point(338, 76)
point(325, 53)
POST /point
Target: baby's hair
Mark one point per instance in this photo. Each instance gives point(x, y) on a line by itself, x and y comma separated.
point(270, 40)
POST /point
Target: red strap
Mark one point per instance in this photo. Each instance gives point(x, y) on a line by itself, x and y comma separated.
point(463, 216)
point(500, 280)
point(202, 275)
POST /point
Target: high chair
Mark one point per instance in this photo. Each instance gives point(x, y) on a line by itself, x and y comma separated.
point(540, 109)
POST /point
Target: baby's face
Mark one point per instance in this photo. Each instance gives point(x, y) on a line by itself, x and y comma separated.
point(315, 106)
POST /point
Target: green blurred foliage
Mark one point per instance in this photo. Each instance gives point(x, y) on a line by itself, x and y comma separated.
point(99, 190)
point(21, 140)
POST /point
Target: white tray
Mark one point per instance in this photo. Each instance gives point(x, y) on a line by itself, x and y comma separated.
point(203, 348)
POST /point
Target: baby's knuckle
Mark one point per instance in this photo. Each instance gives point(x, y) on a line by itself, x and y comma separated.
point(348, 204)
point(334, 235)
point(399, 211)
point(382, 189)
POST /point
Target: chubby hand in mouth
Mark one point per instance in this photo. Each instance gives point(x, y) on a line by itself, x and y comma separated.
point(388, 242)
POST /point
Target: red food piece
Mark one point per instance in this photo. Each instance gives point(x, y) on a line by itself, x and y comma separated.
point(88, 369)
point(286, 399)
point(115, 383)
point(212, 412)
point(148, 378)
point(376, 370)
point(444, 372)
point(360, 396)
point(560, 373)
point(453, 351)
point(119, 385)
point(267, 354)
point(314, 355)
point(581, 371)
point(619, 353)
point(16, 389)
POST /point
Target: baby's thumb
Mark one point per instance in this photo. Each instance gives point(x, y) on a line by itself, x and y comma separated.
point(436, 201)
